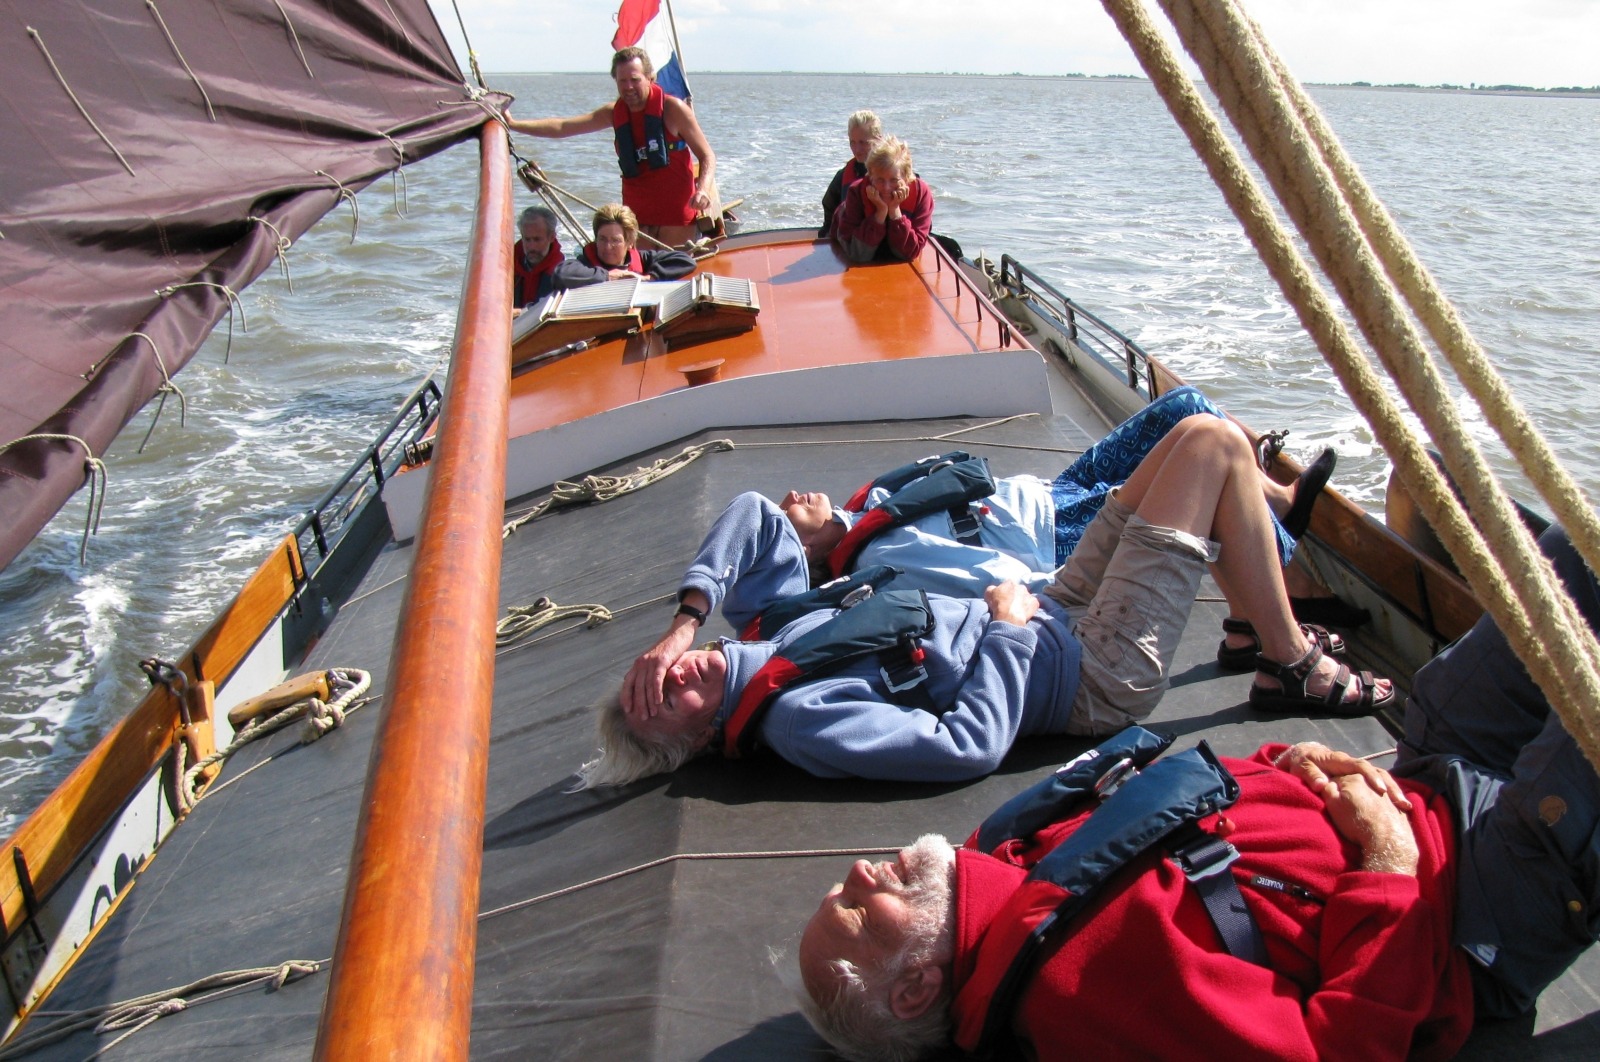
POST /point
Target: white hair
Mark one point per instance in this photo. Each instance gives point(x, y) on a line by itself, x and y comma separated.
point(857, 1020)
point(626, 755)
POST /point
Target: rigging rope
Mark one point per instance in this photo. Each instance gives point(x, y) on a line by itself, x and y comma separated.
point(347, 194)
point(233, 302)
point(1227, 48)
point(37, 39)
point(167, 387)
point(282, 249)
point(204, 95)
point(296, 38)
point(472, 55)
point(94, 471)
point(605, 488)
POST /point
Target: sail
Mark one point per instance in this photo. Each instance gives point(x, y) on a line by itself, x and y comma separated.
point(647, 24)
point(155, 152)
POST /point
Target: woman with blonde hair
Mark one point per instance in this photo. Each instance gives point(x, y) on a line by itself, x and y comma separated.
point(889, 214)
point(864, 131)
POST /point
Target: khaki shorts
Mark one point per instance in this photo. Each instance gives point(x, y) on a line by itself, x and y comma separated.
point(1128, 587)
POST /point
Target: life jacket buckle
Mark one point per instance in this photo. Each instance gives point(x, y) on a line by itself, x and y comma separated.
point(856, 596)
point(965, 522)
point(1204, 856)
point(906, 672)
point(1115, 777)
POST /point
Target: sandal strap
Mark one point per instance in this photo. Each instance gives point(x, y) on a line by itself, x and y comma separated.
point(1292, 676)
point(1238, 626)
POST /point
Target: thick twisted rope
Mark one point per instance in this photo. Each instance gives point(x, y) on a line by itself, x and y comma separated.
point(295, 37)
point(1569, 692)
point(73, 96)
point(320, 719)
point(204, 95)
point(605, 488)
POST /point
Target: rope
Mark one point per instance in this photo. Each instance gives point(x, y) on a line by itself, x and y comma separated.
point(233, 301)
point(472, 55)
point(1325, 222)
point(151, 4)
point(401, 188)
point(347, 194)
point(403, 31)
point(796, 853)
point(137, 1013)
point(282, 249)
point(522, 620)
point(538, 183)
point(167, 387)
point(605, 488)
point(295, 37)
point(96, 475)
point(37, 39)
point(320, 718)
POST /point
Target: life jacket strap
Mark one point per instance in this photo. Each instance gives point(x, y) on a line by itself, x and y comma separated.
point(1205, 860)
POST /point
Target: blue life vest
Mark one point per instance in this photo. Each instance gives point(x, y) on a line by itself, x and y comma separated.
point(949, 482)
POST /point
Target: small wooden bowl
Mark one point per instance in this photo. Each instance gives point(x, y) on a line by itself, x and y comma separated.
point(703, 371)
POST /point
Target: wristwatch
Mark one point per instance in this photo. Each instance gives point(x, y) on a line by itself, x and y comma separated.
point(696, 614)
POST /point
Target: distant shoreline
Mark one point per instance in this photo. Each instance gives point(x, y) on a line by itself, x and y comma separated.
point(1591, 92)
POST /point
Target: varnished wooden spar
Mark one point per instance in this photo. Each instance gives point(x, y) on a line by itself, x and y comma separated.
point(402, 974)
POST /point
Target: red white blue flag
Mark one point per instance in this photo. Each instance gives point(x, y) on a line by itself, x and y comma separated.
point(648, 24)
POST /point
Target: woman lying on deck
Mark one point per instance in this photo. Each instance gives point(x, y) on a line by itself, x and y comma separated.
point(758, 553)
point(944, 698)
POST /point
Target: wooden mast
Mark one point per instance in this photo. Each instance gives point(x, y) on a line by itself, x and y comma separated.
point(401, 985)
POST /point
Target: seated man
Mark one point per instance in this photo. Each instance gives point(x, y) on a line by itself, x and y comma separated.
point(534, 257)
point(1091, 659)
point(888, 215)
point(613, 254)
point(758, 553)
point(863, 131)
point(1390, 912)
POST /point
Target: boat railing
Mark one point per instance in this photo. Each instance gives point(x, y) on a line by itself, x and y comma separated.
point(395, 446)
point(1083, 328)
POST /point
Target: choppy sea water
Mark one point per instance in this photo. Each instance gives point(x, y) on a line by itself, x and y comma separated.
point(1087, 182)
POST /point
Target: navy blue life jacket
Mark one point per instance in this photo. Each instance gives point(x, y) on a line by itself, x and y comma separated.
point(1143, 802)
point(842, 592)
point(950, 482)
point(889, 624)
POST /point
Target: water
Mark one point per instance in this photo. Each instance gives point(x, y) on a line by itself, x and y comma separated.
point(1087, 182)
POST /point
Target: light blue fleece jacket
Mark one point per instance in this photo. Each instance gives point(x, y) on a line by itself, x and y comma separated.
point(752, 556)
point(998, 681)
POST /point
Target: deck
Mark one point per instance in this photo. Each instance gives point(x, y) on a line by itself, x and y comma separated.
point(669, 962)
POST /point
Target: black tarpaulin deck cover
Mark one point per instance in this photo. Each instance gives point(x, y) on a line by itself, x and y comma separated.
point(137, 141)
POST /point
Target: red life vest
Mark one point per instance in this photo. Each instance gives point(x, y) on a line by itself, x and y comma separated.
point(657, 171)
point(634, 264)
point(889, 624)
point(533, 280)
point(949, 482)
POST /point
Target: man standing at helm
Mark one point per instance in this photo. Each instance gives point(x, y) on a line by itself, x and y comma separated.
point(655, 135)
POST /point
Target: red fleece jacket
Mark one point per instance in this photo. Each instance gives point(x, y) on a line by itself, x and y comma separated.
point(1366, 973)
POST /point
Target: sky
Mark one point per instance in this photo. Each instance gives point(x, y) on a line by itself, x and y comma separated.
point(1541, 43)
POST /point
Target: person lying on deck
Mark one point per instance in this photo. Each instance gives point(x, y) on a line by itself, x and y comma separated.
point(758, 553)
point(888, 215)
point(863, 130)
point(535, 256)
point(1392, 913)
point(946, 702)
point(613, 254)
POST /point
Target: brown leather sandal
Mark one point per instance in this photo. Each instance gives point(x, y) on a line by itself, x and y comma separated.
point(1293, 697)
point(1243, 658)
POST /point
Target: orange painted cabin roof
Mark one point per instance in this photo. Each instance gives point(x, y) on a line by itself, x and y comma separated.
point(816, 310)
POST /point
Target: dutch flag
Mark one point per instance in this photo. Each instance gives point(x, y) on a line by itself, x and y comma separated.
point(648, 24)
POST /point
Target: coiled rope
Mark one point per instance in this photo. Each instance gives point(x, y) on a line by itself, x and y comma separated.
point(320, 718)
point(604, 488)
point(520, 621)
point(1271, 113)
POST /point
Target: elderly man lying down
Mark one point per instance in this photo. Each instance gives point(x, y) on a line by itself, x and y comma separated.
point(958, 681)
point(1299, 904)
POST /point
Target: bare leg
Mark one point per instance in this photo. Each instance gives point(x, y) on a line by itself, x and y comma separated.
point(1202, 479)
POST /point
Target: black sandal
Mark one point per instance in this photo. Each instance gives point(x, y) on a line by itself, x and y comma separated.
point(1307, 487)
point(1293, 697)
point(1243, 657)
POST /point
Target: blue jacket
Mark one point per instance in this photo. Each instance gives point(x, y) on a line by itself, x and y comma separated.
point(752, 556)
point(997, 681)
